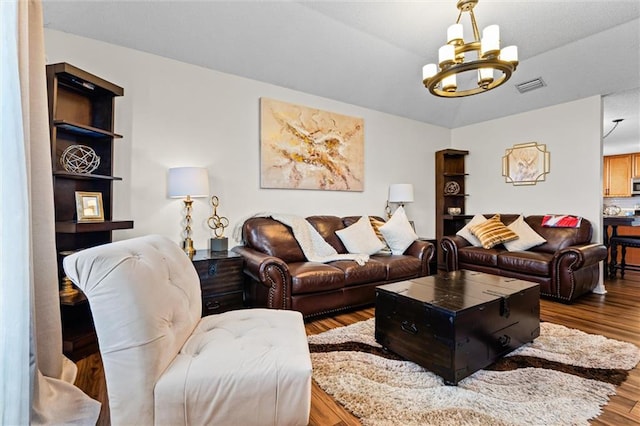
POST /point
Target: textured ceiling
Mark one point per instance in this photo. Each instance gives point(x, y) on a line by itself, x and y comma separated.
point(371, 53)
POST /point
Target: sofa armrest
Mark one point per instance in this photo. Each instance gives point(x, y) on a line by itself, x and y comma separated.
point(575, 270)
point(272, 272)
point(424, 251)
point(450, 245)
point(576, 257)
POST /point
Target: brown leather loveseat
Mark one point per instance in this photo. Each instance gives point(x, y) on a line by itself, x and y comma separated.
point(279, 276)
point(566, 266)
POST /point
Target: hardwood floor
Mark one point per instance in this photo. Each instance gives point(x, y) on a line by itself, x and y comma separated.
point(615, 315)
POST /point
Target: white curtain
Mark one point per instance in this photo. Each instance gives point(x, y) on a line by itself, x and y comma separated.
point(36, 380)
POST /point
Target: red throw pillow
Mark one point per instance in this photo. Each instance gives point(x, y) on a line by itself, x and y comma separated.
point(561, 221)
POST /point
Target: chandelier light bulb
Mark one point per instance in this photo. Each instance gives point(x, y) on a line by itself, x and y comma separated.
point(490, 43)
point(485, 76)
point(429, 71)
point(454, 34)
point(446, 55)
point(449, 83)
point(492, 32)
point(509, 54)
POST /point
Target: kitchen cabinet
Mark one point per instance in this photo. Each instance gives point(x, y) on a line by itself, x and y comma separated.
point(635, 163)
point(617, 172)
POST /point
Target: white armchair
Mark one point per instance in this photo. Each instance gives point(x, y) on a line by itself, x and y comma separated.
point(164, 364)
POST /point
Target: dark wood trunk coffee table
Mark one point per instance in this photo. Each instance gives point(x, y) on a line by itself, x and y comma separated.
point(458, 322)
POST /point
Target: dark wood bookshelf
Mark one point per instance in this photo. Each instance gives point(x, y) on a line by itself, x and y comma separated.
point(81, 114)
point(449, 169)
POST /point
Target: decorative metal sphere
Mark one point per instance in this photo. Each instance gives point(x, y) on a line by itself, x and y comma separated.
point(79, 159)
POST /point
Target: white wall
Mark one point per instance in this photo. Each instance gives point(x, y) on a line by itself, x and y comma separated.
point(175, 114)
point(571, 132)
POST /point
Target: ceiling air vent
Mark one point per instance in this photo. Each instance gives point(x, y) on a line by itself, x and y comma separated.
point(530, 85)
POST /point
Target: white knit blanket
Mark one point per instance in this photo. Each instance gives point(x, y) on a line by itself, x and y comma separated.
point(314, 247)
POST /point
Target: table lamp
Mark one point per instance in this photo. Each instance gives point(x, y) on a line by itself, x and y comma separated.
point(188, 182)
point(401, 193)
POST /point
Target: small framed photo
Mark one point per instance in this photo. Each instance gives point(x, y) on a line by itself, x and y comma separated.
point(89, 206)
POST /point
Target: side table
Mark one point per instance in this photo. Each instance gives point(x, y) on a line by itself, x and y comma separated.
point(221, 280)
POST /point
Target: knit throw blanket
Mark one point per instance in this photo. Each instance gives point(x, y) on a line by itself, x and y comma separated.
point(314, 247)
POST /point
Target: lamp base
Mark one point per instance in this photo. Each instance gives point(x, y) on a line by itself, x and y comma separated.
point(68, 289)
point(187, 246)
point(219, 244)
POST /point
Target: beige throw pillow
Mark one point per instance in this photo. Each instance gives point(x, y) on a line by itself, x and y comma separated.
point(466, 233)
point(493, 232)
point(527, 237)
point(360, 237)
point(398, 232)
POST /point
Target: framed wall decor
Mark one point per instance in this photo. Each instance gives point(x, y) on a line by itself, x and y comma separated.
point(526, 163)
point(307, 148)
point(89, 206)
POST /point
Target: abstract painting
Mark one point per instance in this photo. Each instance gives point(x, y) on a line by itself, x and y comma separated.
point(307, 148)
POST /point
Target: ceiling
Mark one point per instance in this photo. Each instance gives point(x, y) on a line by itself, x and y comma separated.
point(371, 53)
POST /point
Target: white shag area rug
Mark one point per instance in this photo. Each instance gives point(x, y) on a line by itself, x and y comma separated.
point(563, 378)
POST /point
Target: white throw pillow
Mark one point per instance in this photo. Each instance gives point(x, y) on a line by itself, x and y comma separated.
point(360, 237)
point(466, 233)
point(398, 232)
point(527, 236)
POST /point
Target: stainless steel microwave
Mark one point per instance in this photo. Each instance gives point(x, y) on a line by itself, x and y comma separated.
point(635, 186)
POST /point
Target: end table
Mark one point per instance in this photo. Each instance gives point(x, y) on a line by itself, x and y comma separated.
point(221, 280)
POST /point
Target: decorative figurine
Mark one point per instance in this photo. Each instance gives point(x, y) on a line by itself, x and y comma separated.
point(217, 224)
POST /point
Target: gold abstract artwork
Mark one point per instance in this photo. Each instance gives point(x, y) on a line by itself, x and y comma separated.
point(525, 163)
point(306, 148)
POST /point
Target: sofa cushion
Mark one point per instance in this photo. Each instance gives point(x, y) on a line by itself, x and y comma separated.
point(327, 227)
point(311, 277)
point(559, 238)
point(360, 237)
point(399, 266)
point(265, 361)
point(465, 232)
point(372, 271)
point(271, 237)
point(479, 255)
point(527, 237)
point(492, 232)
point(398, 232)
point(526, 262)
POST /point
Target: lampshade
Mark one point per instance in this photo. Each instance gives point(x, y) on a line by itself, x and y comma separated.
point(192, 181)
point(401, 193)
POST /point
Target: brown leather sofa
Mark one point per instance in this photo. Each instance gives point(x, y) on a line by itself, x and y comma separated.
point(279, 276)
point(566, 266)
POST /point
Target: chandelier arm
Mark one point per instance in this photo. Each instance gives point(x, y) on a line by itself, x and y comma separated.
point(474, 25)
point(505, 67)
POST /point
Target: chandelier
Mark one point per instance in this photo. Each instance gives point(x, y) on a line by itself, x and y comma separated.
point(483, 55)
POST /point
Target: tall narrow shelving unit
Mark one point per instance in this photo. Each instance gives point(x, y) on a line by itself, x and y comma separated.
point(450, 192)
point(81, 114)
